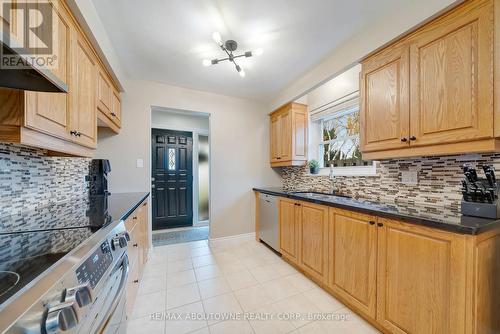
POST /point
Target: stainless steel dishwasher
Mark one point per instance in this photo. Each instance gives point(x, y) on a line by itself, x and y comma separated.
point(269, 224)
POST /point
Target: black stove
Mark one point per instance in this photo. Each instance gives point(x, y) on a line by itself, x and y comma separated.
point(33, 241)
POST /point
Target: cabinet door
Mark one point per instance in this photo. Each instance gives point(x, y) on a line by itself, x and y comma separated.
point(286, 135)
point(12, 21)
point(353, 259)
point(289, 214)
point(145, 226)
point(116, 108)
point(299, 133)
point(451, 77)
point(104, 93)
point(49, 112)
point(84, 112)
point(313, 239)
point(425, 268)
point(384, 117)
point(275, 138)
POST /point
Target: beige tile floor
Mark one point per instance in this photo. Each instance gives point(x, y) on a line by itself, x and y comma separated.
point(196, 287)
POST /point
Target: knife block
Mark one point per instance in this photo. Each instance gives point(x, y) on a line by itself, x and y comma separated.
point(479, 209)
point(482, 209)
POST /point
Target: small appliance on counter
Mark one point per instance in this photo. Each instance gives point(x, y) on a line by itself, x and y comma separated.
point(480, 195)
point(98, 177)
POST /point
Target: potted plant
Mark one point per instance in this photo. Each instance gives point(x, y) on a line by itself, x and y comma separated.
point(313, 166)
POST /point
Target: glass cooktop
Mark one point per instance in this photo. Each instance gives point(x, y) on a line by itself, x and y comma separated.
point(32, 241)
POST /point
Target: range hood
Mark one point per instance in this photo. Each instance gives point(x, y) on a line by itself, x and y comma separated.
point(33, 78)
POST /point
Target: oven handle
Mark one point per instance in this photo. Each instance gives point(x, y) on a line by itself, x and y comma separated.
point(123, 265)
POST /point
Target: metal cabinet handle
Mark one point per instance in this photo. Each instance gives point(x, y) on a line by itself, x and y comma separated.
point(404, 140)
point(136, 281)
point(135, 245)
point(372, 222)
point(413, 138)
point(113, 114)
point(380, 224)
point(73, 133)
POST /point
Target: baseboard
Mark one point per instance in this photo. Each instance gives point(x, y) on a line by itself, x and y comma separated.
point(248, 236)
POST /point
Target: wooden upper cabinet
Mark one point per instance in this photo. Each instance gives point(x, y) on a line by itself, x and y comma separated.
point(49, 112)
point(434, 88)
point(353, 258)
point(108, 102)
point(104, 93)
point(84, 117)
point(385, 100)
point(275, 145)
point(289, 215)
point(313, 239)
point(288, 135)
point(420, 267)
point(451, 77)
point(116, 108)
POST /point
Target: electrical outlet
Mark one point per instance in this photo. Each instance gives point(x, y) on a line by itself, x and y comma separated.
point(140, 163)
point(409, 177)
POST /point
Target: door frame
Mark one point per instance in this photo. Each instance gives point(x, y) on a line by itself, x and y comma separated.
point(195, 132)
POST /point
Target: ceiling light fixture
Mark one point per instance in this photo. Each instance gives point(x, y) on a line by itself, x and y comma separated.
point(229, 47)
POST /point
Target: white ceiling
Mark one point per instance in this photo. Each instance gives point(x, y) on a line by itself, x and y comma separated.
point(166, 40)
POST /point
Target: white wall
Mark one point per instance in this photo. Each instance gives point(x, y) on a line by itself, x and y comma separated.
point(239, 149)
point(179, 120)
point(403, 17)
point(338, 87)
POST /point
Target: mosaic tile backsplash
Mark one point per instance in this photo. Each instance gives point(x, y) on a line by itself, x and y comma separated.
point(438, 188)
point(30, 179)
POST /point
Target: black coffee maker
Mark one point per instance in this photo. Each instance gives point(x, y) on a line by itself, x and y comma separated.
point(98, 177)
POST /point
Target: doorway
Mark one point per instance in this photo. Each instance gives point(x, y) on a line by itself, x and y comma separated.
point(180, 176)
point(172, 178)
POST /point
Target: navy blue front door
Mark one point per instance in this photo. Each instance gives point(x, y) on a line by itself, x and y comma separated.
point(172, 178)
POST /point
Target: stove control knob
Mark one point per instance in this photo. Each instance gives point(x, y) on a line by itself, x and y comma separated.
point(123, 241)
point(82, 295)
point(61, 317)
point(119, 242)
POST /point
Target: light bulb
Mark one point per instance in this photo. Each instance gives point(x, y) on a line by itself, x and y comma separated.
point(258, 52)
point(206, 62)
point(217, 38)
point(242, 73)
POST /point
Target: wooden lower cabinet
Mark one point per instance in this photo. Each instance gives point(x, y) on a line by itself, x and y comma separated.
point(289, 229)
point(138, 247)
point(352, 244)
point(402, 278)
point(313, 240)
point(420, 279)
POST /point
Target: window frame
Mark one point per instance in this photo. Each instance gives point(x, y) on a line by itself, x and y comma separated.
point(369, 170)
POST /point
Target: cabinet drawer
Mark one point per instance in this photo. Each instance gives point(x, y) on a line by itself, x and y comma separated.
point(133, 247)
point(132, 288)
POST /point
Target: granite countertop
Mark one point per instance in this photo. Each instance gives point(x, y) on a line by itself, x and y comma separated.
point(438, 218)
point(82, 212)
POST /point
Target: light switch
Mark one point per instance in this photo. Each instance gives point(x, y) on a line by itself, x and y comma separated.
point(409, 177)
point(140, 163)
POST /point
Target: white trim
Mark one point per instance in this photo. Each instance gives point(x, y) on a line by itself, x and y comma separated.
point(195, 133)
point(249, 236)
point(328, 110)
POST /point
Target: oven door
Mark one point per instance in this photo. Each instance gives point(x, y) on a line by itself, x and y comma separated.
point(110, 315)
